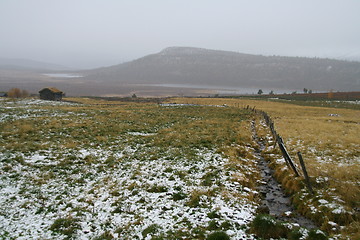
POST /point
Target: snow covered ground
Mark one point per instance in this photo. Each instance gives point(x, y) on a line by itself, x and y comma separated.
point(122, 189)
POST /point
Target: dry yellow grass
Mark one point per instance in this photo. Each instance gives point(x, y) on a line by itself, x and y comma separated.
point(99, 101)
point(89, 101)
point(316, 131)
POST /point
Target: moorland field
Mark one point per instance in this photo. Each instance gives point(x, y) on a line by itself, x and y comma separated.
point(183, 169)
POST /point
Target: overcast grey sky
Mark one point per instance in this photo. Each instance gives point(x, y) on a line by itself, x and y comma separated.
point(90, 33)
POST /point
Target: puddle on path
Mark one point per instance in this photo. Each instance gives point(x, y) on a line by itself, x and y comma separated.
point(273, 197)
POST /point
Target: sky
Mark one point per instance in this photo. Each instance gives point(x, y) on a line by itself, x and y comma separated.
point(94, 33)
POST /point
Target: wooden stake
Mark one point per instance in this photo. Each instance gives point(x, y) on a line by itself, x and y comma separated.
point(307, 179)
point(287, 156)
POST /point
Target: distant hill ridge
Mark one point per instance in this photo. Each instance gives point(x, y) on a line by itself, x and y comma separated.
point(198, 66)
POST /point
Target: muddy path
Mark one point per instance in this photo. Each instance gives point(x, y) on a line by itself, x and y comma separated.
point(274, 199)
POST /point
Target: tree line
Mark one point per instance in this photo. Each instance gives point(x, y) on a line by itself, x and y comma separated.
point(305, 90)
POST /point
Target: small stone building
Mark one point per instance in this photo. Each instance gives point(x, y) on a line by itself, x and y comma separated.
point(51, 93)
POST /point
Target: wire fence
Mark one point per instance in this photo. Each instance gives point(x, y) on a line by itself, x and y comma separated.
point(279, 141)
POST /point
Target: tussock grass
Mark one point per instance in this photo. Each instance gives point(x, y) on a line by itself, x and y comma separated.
point(67, 226)
point(196, 197)
point(218, 236)
point(267, 227)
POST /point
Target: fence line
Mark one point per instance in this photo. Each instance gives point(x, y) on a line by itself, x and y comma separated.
point(288, 160)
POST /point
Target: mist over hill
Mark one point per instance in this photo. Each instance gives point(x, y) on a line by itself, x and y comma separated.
point(27, 64)
point(187, 71)
point(196, 66)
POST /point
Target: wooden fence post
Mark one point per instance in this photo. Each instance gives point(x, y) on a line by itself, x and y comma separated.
point(287, 156)
point(307, 179)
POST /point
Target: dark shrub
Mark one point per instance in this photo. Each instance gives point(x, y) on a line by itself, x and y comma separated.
point(265, 226)
point(218, 236)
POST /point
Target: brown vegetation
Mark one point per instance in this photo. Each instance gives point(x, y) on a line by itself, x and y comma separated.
point(17, 93)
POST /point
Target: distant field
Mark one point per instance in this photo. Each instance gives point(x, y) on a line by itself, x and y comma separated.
point(329, 96)
point(97, 169)
point(350, 100)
